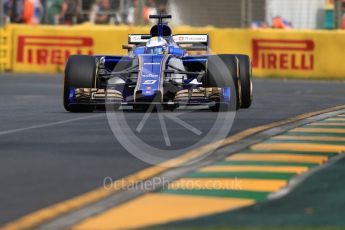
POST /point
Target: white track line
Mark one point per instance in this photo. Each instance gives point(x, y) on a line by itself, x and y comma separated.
point(2, 133)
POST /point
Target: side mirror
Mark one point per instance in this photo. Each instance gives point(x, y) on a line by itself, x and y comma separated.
point(193, 47)
point(128, 47)
point(186, 46)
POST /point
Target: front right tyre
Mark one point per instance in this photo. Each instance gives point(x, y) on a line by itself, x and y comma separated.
point(245, 76)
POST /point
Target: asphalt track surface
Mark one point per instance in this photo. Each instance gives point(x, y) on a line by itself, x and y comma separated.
point(48, 155)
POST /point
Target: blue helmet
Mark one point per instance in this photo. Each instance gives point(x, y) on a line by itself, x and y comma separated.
point(156, 45)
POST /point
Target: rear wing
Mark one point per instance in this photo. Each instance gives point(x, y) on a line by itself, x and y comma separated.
point(187, 41)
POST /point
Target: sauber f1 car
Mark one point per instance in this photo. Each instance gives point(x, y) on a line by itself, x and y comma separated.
point(159, 70)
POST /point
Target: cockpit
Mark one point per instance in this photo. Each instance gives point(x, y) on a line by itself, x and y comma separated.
point(156, 50)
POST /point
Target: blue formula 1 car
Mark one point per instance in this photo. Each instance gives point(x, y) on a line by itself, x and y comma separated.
point(159, 69)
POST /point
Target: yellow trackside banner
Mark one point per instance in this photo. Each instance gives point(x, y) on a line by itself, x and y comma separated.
point(280, 53)
point(5, 49)
point(45, 49)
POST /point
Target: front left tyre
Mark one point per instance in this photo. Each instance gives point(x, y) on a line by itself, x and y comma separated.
point(222, 73)
point(80, 73)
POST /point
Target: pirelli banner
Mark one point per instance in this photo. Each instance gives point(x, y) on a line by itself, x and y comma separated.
point(276, 53)
point(44, 49)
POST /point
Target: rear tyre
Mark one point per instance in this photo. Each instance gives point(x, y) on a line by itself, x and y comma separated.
point(222, 72)
point(245, 72)
point(80, 72)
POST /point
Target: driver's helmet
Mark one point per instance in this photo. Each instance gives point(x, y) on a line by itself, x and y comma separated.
point(156, 45)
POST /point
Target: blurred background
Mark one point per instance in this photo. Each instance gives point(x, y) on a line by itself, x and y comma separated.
point(48, 156)
point(283, 14)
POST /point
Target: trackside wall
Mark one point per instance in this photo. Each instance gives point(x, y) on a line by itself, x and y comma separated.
point(278, 53)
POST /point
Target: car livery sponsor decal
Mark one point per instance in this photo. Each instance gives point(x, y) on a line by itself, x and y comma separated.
point(271, 54)
point(137, 38)
point(191, 38)
point(51, 50)
point(152, 63)
point(150, 80)
point(180, 38)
